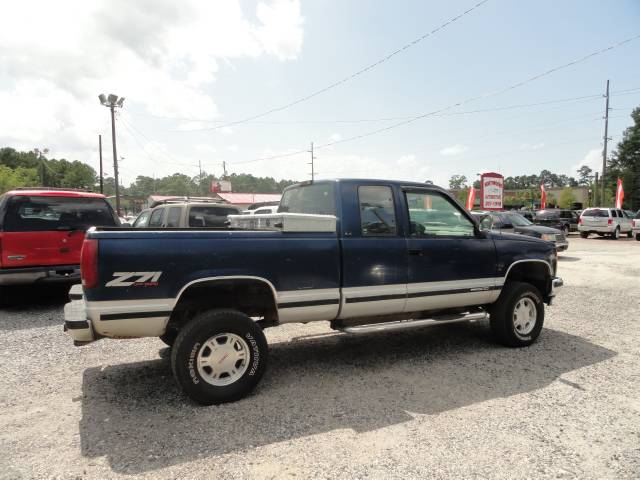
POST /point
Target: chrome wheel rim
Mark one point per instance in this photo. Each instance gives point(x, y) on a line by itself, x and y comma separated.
point(223, 359)
point(525, 315)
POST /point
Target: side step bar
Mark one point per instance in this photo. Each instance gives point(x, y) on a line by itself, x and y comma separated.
point(403, 324)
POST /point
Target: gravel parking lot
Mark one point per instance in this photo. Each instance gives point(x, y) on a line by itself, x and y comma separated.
point(438, 402)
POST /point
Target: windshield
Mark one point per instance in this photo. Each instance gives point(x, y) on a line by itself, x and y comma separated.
point(518, 220)
point(32, 214)
point(316, 198)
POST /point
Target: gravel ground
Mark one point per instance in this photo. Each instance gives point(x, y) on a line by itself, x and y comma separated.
point(439, 402)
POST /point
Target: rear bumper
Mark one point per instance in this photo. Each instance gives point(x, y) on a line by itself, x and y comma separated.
point(594, 229)
point(76, 323)
point(41, 274)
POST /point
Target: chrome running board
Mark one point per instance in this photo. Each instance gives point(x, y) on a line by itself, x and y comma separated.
point(403, 324)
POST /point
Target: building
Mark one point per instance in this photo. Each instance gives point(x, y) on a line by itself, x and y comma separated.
point(242, 200)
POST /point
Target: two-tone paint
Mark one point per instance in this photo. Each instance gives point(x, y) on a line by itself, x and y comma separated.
point(312, 276)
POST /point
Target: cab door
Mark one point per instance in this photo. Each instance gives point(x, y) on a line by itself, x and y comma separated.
point(374, 252)
point(450, 262)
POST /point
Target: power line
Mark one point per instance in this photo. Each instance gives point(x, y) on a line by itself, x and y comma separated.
point(357, 73)
point(487, 95)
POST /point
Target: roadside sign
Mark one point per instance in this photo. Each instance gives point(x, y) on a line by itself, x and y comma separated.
point(491, 191)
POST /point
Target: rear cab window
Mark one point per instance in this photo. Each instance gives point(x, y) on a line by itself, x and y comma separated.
point(48, 213)
point(314, 198)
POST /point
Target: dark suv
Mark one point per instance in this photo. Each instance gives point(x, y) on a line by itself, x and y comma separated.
point(564, 220)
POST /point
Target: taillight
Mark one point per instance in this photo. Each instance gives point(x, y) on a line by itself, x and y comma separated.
point(580, 222)
point(89, 263)
point(610, 221)
point(0, 250)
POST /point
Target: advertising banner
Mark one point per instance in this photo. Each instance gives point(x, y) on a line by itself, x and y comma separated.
point(491, 191)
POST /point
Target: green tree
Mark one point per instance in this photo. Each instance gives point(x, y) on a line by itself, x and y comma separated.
point(625, 164)
point(457, 182)
point(585, 175)
point(17, 177)
point(567, 198)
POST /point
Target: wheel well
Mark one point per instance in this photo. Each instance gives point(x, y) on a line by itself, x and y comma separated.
point(252, 297)
point(535, 273)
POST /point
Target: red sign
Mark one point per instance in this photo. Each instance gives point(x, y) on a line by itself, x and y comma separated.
point(491, 191)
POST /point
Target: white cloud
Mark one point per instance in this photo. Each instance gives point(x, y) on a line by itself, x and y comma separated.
point(592, 159)
point(453, 150)
point(335, 137)
point(161, 55)
point(233, 148)
point(534, 146)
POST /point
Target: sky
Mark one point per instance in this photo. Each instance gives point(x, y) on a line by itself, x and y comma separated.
point(191, 70)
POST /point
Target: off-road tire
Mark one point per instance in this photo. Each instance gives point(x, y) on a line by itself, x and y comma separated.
point(584, 234)
point(191, 340)
point(502, 314)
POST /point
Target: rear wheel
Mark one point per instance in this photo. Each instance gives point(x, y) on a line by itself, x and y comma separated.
point(616, 234)
point(638, 237)
point(219, 356)
point(584, 234)
point(518, 315)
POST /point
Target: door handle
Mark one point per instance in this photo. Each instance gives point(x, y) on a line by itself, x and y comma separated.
point(415, 251)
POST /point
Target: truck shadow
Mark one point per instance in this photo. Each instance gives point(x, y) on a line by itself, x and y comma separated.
point(35, 305)
point(135, 416)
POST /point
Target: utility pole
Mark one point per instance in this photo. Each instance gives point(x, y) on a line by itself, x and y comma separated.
point(595, 190)
point(101, 173)
point(111, 102)
point(200, 177)
point(604, 150)
point(311, 163)
point(115, 158)
point(224, 169)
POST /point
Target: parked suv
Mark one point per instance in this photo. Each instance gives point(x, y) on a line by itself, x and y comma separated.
point(605, 221)
point(561, 219)
point(42, 230)
point(187, 214)
point(636, 226)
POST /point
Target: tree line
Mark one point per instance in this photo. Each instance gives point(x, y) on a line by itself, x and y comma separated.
point(29, 169)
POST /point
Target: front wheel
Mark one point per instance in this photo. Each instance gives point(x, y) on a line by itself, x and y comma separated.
point(518, 315)
point(584, 234)
point(219, 356)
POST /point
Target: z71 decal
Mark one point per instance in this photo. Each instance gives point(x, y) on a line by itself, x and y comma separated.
point(136, 279)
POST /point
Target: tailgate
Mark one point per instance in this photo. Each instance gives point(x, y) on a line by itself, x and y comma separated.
point(30, 249)
point(595, 221)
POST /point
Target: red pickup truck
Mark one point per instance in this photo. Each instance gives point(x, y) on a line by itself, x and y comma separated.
point(42, 230)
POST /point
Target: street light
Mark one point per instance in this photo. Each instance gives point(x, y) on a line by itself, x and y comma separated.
point(111, 102)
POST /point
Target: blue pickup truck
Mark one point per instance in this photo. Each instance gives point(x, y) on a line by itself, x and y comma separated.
point(364, 255)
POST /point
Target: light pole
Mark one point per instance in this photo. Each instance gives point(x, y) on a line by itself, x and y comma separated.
point(111, 102)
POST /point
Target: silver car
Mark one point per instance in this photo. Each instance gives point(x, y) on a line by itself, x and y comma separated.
point(605, 221)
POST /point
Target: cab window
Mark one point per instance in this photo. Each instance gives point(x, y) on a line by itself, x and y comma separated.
point(432, 215)
point(377, 211)
point(156, 218)
point(173, 216)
